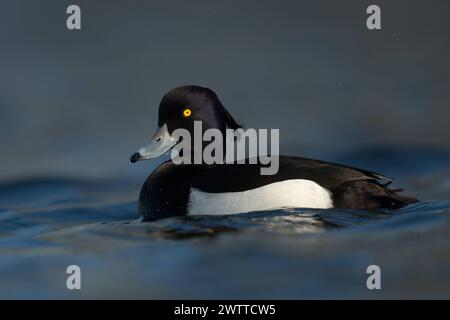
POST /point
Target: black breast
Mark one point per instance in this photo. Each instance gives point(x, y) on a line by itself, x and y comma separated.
point(165, 193)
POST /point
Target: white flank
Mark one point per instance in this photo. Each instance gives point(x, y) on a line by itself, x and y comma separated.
point(297, 193)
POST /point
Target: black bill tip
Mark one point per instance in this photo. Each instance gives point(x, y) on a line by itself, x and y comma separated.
point(135, 157)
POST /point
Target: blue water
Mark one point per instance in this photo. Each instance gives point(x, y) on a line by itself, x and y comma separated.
point(49, 223)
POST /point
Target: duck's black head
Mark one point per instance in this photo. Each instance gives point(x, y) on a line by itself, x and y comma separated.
point(179, 108)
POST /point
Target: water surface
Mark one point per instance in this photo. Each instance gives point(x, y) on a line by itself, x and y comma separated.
point(47, 224)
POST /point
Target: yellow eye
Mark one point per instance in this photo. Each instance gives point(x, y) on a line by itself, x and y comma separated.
point(187, 112)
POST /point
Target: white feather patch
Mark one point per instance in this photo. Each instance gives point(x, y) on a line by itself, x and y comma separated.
point(298, 193)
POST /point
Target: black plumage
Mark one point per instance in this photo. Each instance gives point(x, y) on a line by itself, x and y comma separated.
point(166, 191)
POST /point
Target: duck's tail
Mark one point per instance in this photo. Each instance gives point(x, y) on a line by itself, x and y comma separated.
point(368, 195)
point(402, 200)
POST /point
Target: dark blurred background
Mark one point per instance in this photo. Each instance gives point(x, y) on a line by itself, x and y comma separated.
point(78, 103)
